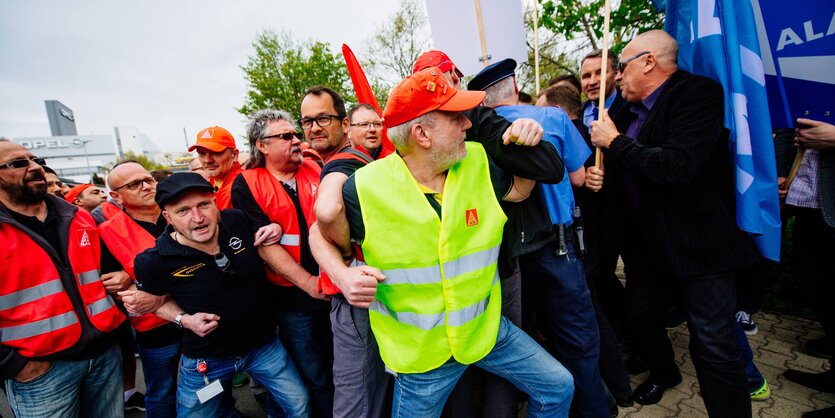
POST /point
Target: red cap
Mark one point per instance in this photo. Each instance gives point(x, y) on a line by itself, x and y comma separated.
point(71, 195)
point(423, 92)
point(214, 139)
point(435, 58)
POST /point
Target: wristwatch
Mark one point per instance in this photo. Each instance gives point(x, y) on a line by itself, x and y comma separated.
point(178, 320)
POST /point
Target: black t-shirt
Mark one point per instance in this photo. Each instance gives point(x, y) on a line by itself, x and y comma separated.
point(288, 298)
point(500, 180)
point(48, 229)
point(160, 336)
point(238, 295)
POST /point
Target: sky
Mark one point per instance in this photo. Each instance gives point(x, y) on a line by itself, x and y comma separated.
point(159, 66)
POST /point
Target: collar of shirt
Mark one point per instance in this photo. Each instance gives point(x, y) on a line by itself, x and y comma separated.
point(591, 105)
point(642, 110)
point(167, 246)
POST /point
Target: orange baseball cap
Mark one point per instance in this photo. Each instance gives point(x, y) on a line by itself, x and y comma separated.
point(76, 191)
point(214, 139)
point(423, 92)
point(435, 58)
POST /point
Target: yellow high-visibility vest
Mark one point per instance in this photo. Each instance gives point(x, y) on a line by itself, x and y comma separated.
point(441, 297)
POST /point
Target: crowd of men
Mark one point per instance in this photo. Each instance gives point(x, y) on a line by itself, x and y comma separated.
point(349, 276)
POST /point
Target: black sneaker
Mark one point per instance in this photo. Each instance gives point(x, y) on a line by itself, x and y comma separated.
point(136, 402)
point(746, 322)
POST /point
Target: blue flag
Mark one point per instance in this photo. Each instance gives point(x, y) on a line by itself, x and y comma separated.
point(718, 39)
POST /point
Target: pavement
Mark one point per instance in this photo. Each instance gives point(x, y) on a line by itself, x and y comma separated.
point(777, 346)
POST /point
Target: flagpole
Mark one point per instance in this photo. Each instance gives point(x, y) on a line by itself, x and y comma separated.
point(604, 67)
point(536, 47)
point(485, 59)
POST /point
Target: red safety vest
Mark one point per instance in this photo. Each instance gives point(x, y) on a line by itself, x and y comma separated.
point(360, 154)
point(279, 207)
point(109, 209)
point(223, 195)
point(37, 317)
point(126, 239)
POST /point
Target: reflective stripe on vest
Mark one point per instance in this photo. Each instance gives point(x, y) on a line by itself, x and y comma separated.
point(38, 327)
point(432, 274)
point(100, 306)
point(88, 277)
point(290, 239)
point(31, 294)
point(428, 321)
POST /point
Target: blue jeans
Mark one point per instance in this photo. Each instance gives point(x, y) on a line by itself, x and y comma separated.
point(755, 377)
point(269, 364)
point(568, 321)
point(515, 357)
point(159, 365)
point(308, 338)
point(84, 388)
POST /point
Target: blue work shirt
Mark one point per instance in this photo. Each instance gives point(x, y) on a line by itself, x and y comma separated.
point(589, 114)
point(560, 131)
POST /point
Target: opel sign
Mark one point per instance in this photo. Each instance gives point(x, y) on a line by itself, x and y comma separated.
point(52, 143)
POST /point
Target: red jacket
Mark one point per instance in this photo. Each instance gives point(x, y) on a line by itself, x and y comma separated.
point(126, 239)
point(279, 207)
point(37, 316)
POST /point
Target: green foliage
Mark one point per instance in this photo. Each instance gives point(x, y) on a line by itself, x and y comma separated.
point(554, 60)
point(97, 179)
point(281, 69)
point(583, 20)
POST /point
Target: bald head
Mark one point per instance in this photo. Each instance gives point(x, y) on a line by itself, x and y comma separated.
point(646, 63)
point(661, 44)
point(132, 186)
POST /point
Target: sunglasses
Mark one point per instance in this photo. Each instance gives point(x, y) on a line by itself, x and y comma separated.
point(287, 136)
point(622, 64)
point(23, 163)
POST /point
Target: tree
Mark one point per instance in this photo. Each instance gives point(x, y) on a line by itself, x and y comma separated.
point(395, 46)
point(583, 20)
point(282, 69)
point(555, 58)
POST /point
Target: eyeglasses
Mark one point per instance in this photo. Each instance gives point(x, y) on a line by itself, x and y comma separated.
point(287, 136)
point(368, 125)
point(23, 162)
point(137, 184)
point(622, 64)
point(321, 120)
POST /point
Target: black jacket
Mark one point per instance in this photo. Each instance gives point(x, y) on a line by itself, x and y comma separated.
point(685, 179)
point(528, 226)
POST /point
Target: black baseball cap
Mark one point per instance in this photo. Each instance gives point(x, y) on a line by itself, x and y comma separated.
point(177, 183)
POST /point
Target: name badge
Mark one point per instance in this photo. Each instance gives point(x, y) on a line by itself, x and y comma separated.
point(210, 391)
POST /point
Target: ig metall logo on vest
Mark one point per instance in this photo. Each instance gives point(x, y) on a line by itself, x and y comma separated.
point(472, 217)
